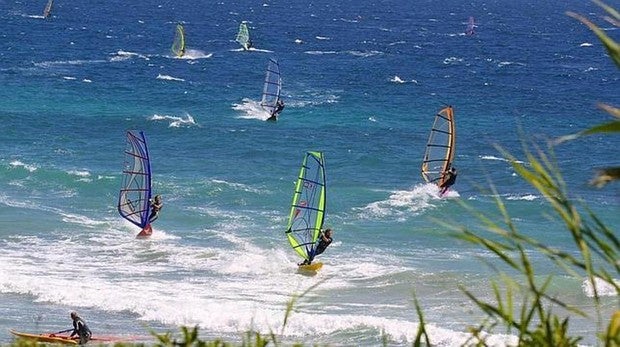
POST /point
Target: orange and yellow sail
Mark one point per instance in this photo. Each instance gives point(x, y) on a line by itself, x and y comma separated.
point(440, 147)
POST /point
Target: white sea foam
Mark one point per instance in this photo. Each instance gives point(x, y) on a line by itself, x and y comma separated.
point(586, 44)
point(320, 52)
point(169, 78)
point(322, 38)
point(81, 173)
point(125, 55)
point(398, 80)
point(452, 60)
point(508, 63)
point(404, 203)
point(364, 54)
point(251, 109)
point(175, 121)
point(193, 54)
point(602, 287)
point(526, 197)
point(29, 167)
point(490, 157)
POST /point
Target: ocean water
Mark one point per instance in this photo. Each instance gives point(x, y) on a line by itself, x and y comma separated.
point(362, 82)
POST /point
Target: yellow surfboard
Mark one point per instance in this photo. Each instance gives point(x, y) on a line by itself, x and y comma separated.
point(51, 338)
point(312, 267)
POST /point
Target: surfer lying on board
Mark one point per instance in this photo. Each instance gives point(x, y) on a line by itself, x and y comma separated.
point(156, 205)
point(80, 328)
point(324, 241)
point(450, 178)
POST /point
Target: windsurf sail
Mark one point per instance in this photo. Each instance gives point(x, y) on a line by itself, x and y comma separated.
point(272, 87)
point(243, 36)
point(308, 207)
point(178, 45)
point(470, 26)
point(135, 193)
point(440, 148)
point(47, 11)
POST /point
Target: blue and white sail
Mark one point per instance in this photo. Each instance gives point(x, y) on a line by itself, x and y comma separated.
point(272, 87)
point(135, 193)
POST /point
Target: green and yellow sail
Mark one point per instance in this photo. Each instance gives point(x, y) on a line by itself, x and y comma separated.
point(308, 207)
point(178, 45)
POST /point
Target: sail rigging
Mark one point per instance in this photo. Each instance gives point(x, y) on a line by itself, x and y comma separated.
point(440, 148)
point(308, 207)
point(272, 87)
point(178, 45)
point(243, 36)
point(48, 9)
point(135, 193)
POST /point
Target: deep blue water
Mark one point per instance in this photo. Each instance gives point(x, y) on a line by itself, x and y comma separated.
point(362, 82)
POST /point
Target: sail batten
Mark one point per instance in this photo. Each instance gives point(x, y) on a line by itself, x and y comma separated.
point(308, 206)
point(439, 153)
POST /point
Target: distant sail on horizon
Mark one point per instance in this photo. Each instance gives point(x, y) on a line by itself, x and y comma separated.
point(272, 87)
point(135, 193)
point(471, 24)
point(47, 11)
point(440, 147)
point(308, 207)
point(243, 36)
point(178, 44)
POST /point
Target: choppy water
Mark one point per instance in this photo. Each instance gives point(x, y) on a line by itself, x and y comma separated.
point(362, 82)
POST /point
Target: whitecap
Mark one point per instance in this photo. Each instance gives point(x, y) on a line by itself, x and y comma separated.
point(169, 78)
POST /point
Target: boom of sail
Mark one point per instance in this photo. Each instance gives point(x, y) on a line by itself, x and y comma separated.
point(272, 87)
point(243, 36)
point(308, 207)
point(178, 45)
point(440, 148)
point(135, 193)
point(47, 11)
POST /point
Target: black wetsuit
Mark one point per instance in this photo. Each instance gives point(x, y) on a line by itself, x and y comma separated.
point(81, 329)
point(320, 248)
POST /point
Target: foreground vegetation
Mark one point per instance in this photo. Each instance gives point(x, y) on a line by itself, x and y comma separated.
point(522, 306)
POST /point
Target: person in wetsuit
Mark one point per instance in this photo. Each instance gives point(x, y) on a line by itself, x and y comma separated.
point(325, 239)
point(80, 329)
point(450, 179)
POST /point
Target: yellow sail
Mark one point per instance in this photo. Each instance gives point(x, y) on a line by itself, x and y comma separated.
point(178, 45)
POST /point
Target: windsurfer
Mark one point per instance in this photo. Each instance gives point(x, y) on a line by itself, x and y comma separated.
point(156, 206)
point(279, 107)
point(325, 239)
point(276, 112)
point(80, 328)
point(450, 179)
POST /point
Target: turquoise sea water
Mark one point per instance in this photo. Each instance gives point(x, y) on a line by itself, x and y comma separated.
point(362, 82)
